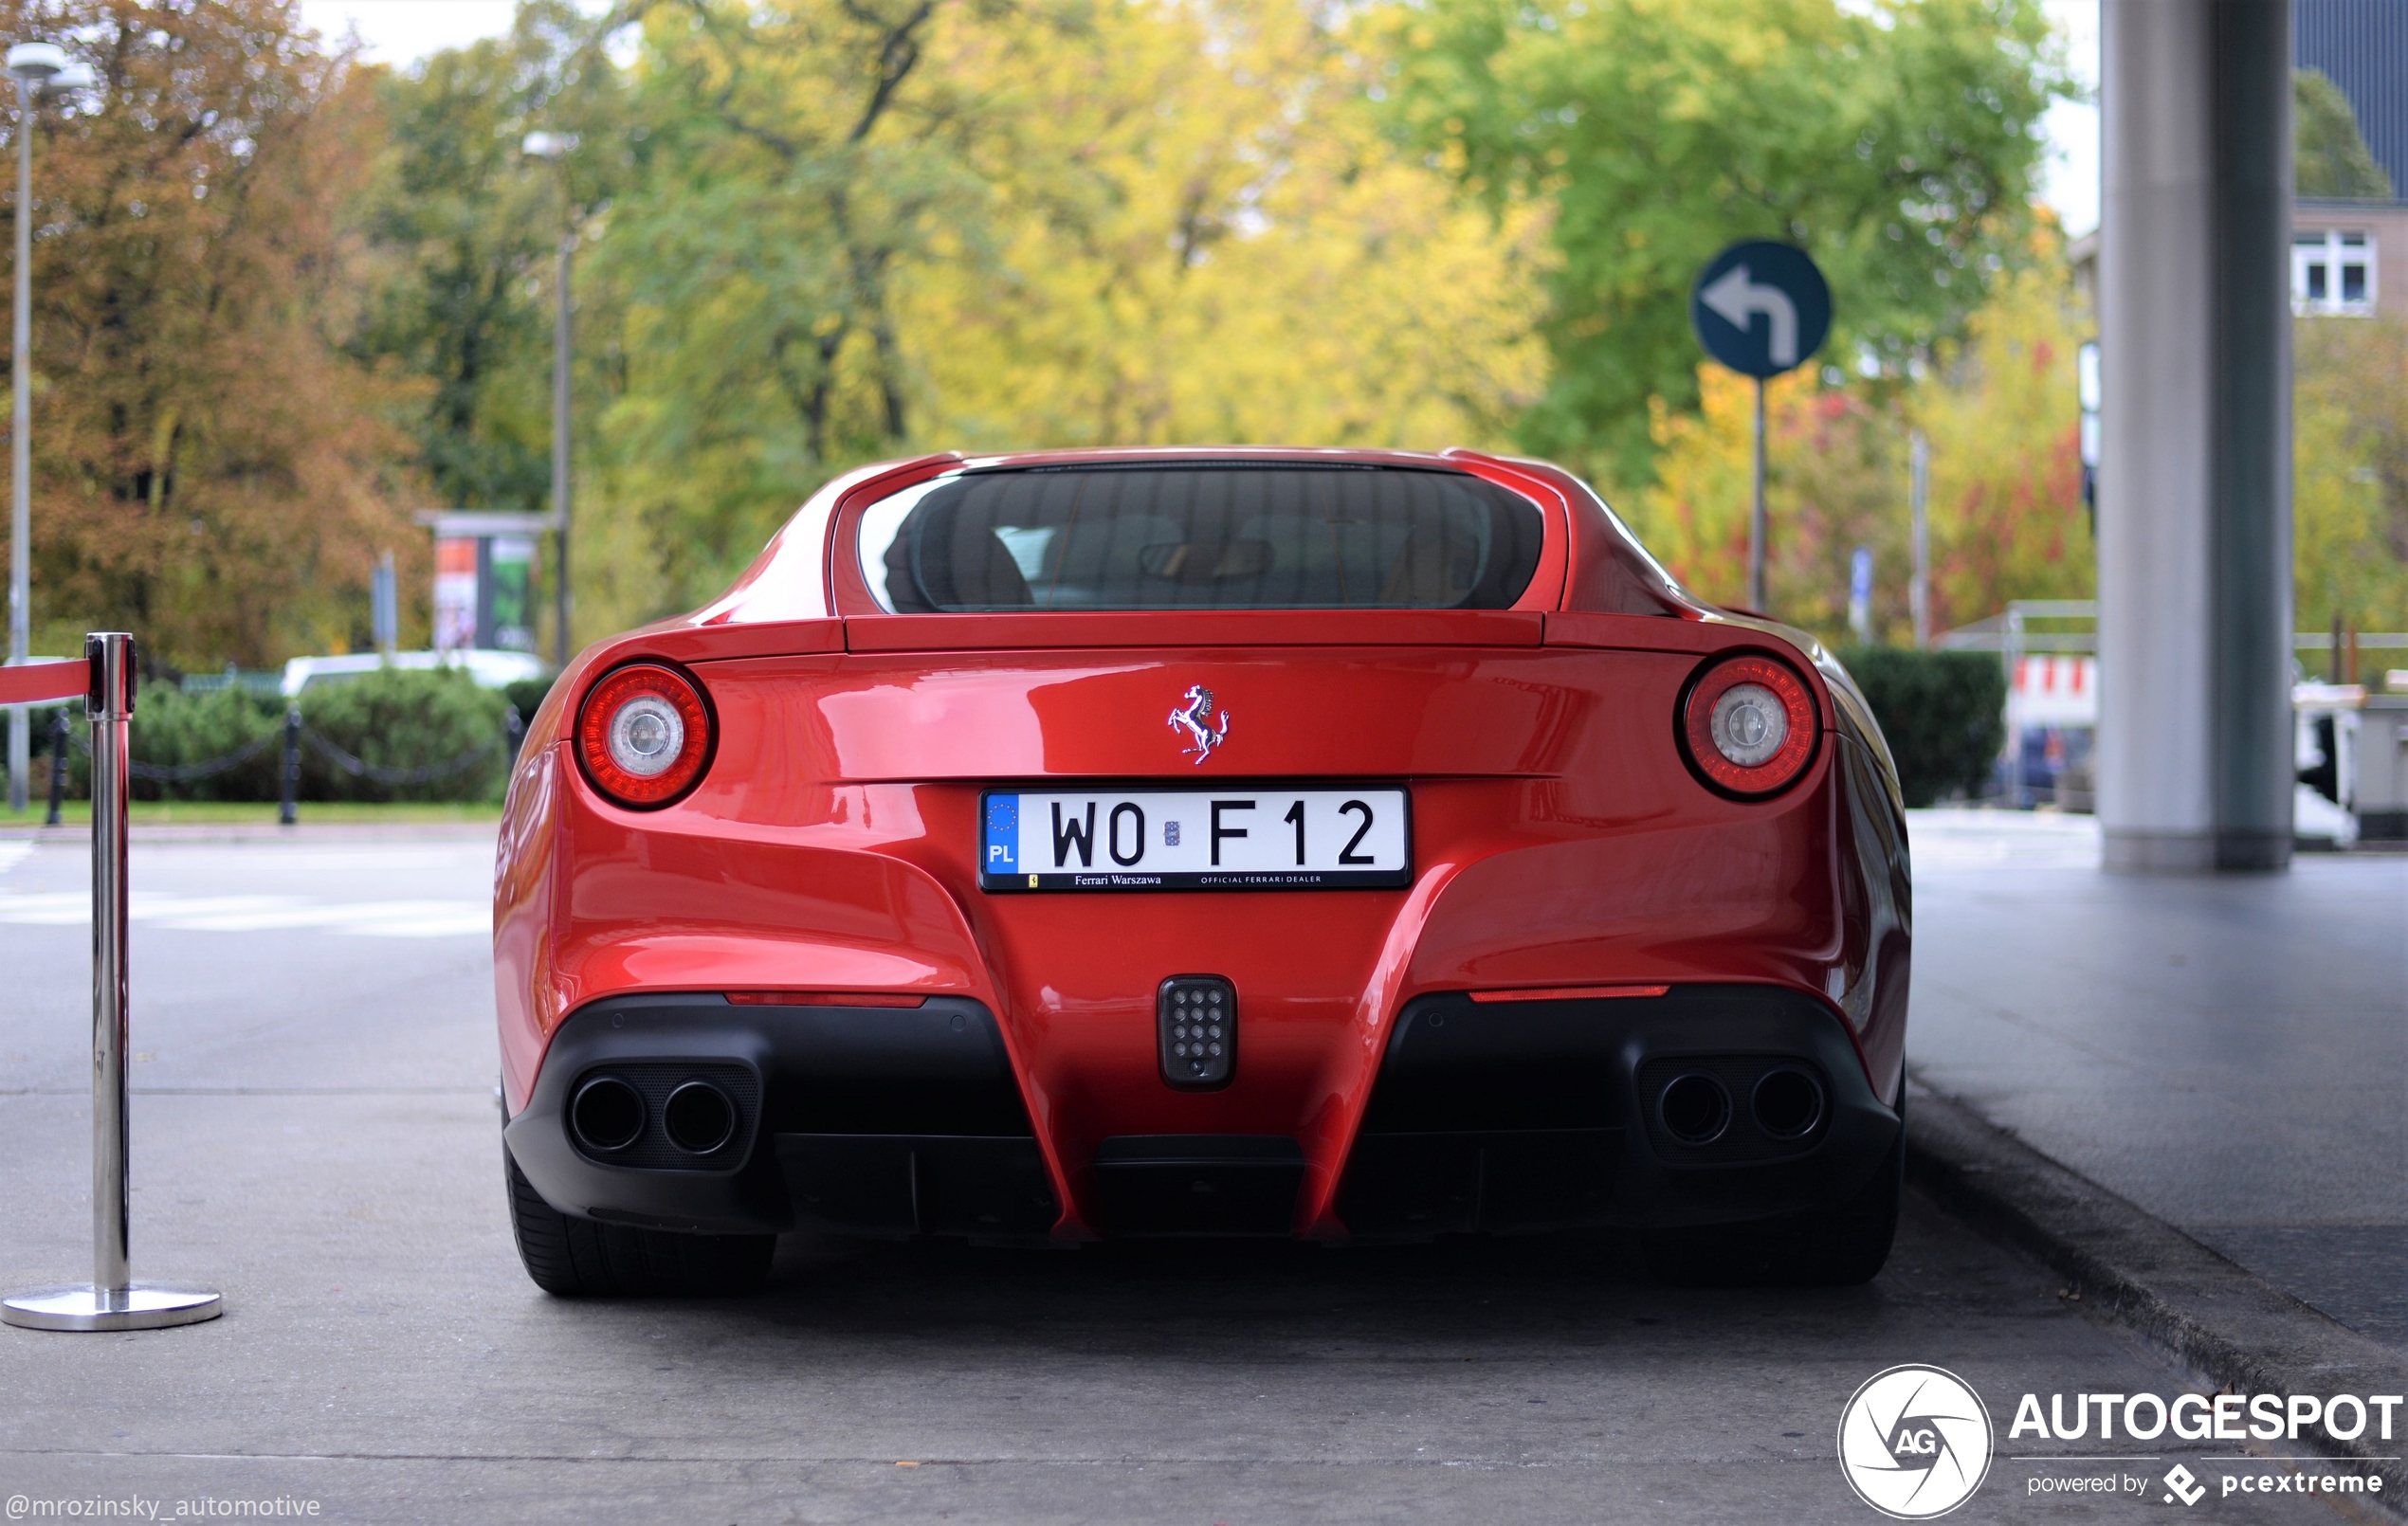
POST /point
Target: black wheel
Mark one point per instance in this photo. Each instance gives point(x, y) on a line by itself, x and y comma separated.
point(1838, 1247)
point(578, 1258)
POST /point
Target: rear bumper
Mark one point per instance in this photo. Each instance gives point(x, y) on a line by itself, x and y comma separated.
point(879, 1121)
point(1484, 1117)
point(1522, 1116)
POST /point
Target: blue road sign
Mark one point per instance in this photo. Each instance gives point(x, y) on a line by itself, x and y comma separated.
point(1761, 308)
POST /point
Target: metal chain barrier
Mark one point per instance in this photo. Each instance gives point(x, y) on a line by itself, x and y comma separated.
point(333, 753)
point(188, 773)
point(360, 768)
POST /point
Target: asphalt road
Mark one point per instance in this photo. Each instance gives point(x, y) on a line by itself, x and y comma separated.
point(315, 1133)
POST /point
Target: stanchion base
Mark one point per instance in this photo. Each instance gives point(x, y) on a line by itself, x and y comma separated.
point(81, 1306)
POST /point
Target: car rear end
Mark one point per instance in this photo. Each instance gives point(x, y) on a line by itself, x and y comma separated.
point(1281, 843)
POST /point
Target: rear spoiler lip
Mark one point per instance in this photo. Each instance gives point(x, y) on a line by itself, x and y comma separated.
point(1151, 631)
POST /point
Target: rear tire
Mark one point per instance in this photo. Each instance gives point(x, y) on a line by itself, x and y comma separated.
point(1839, 1246)
point(577, 1258)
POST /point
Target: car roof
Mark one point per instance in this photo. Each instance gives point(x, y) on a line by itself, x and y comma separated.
point(1123, 455)
point(800, 573)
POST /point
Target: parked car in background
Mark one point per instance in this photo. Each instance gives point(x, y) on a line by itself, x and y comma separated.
point(1351, 845)
point(490, 669)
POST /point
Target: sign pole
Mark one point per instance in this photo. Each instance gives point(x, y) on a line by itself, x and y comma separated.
point(1761, 308)
point(1756, 525)
point(111, 1300)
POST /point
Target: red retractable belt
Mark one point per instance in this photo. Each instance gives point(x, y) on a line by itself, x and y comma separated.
point(32, 682)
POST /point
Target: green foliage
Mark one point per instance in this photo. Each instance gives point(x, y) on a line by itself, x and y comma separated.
point(172, 728)
point(1897, 141)
point(392, 719)
point(463, 225)
point(811, 234)
point(1943, 714)
point(2330, 158)
point(399, 718)
point(2349, 487)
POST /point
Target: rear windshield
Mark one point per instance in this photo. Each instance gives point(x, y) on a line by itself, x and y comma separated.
point(1201, 535)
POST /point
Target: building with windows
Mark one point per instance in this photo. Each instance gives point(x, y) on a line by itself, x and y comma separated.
point(2349, 258)
point(2339, 248)
point(2335, 245)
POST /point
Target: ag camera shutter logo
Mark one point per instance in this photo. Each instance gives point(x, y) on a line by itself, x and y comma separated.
point(1915, 1441)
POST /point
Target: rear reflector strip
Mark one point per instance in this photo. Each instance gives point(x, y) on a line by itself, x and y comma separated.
point(1568, 994)
point(823, 998)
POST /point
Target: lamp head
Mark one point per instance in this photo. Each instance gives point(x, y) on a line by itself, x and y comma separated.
point(34, 64)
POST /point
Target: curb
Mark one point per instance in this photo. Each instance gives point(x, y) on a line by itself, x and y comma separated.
point(2225, 1321)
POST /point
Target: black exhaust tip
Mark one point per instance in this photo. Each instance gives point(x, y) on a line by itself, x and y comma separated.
point(606, 1114)
point(1788, 1103)
point(1695, 1109)
point(699, 1117)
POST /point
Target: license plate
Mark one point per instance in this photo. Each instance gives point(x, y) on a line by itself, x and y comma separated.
point(1243, 837)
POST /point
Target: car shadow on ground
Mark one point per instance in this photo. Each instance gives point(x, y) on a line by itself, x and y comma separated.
point(1238, 1297)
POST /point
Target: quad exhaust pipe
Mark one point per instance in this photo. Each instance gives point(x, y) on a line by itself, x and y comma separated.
point(609, 1113)
point(1785, 1103)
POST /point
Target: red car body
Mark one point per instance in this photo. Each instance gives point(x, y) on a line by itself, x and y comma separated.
point(907, 1051)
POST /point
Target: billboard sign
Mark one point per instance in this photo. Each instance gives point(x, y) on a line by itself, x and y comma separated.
point(485, 569)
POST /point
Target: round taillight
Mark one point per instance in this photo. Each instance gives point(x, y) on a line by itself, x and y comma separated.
point(1748, 725)
point(643, 735)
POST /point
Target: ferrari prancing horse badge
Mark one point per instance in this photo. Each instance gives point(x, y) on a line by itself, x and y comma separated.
point(1204, 731)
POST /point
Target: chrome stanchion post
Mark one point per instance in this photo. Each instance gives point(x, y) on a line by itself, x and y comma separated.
point(112, 711)
point(111, 1300)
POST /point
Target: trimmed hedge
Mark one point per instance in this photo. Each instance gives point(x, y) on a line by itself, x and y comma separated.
point(404, 719)
point(173, 728)
point(392, 719)
point(1942, 713)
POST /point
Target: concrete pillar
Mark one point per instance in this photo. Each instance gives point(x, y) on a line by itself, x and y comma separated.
point(2195, 560)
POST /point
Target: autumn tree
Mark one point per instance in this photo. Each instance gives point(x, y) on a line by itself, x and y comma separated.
point(1196, 233)
point(852, 229)
point(459, 229)
point(1896, 140)
point(2000, 410)
point(209, 471)
point(2349, 487)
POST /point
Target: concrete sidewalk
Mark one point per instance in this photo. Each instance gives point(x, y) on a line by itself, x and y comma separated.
point(2229, 1054)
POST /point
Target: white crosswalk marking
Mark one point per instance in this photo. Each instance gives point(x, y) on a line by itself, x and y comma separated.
point(263, 914)
point(14, 853)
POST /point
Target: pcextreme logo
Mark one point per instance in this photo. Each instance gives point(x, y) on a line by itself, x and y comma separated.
point(1914, 1441)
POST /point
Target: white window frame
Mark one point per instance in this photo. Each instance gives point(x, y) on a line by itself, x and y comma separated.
point(2332, 248)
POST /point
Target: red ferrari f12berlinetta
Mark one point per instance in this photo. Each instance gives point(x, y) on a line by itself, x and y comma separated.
point(1349, 845)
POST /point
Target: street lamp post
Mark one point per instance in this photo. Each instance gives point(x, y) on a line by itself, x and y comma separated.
point(39, 68)
point(555, 147)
